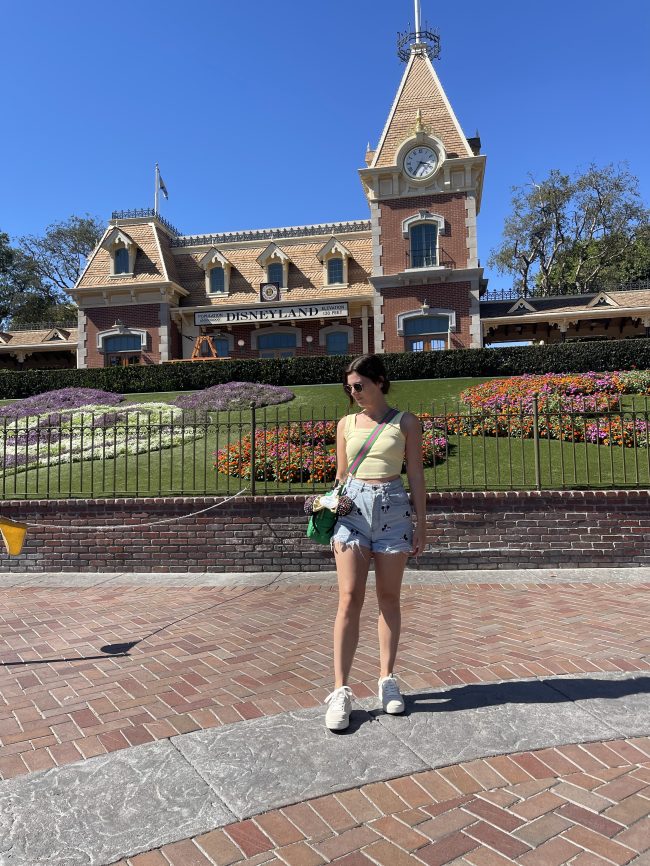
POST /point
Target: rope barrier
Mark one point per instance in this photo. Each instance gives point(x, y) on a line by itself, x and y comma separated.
point(142, 525)
point(13, 532)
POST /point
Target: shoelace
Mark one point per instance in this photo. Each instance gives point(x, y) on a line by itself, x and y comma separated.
point(338, 696)
point(390, 689)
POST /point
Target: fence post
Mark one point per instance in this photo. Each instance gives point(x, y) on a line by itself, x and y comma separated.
point(253, 454)
point(538, 482)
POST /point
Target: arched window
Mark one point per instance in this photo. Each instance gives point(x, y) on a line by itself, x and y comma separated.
point(217, 280)
point(424, 245)
point(337, 343)
point(123, 343)
point(334, 271)
point(275, 273)
point(426, 333)
point(282, 345)
point(121, 260)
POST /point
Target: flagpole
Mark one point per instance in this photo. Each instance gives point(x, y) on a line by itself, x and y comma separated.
point(155, 195)
point(417, 17)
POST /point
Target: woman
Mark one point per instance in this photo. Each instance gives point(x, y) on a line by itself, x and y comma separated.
point(380, 525)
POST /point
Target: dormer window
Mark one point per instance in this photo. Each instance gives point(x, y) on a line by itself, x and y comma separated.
point(217, 280)
point(217, 272)
point(335, 271)
point(122, 250)
point(276, 265)
point(121, 260)
point(274, 273)
point(335, 257)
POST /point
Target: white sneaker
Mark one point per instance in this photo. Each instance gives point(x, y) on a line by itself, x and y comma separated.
point(390, 696)
point(337, 717)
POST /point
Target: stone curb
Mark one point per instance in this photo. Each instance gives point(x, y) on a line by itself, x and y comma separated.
point(324, 578)
point(114, 806)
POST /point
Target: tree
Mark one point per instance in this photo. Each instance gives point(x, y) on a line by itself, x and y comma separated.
point(35, 276)
point(60, 254)
point(572, 232)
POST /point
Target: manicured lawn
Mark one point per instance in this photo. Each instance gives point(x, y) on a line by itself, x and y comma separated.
point(472, 463)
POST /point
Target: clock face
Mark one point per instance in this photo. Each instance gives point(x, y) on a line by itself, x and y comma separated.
point(269, 291)
point(421, 162)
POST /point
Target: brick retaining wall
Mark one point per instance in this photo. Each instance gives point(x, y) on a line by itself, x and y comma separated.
point(510, 529)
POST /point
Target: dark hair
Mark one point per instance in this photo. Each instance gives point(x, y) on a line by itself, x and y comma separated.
point(370, 366)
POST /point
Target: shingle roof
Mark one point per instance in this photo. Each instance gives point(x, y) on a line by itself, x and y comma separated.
point(17, 339)
point(148, 262)
point(420, 88)
point(305, 272)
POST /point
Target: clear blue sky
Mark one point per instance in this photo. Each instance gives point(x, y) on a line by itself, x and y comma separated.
point(259, 113)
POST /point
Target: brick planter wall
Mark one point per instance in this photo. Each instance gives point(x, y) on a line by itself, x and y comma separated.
point(468, 530)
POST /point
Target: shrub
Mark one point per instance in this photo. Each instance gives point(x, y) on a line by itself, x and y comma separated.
point(234, 395)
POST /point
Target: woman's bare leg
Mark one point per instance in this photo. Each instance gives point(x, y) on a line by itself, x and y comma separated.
point(389, 571)
point(352, 569)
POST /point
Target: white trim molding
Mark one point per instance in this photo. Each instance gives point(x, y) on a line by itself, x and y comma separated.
point(273, 254)
point(116, 331)
point(211, 260)
point(115, 240)
point(334, 249)
point(423, 216)
point(419, 313)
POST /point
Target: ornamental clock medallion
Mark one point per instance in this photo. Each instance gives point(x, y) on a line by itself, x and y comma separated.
point(420, 162)
point(269, 291)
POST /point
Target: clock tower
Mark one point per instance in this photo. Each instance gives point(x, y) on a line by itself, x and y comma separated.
point(423, 183)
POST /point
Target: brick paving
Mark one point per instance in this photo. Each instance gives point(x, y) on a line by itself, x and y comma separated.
point(242, 653)
point(585, 805)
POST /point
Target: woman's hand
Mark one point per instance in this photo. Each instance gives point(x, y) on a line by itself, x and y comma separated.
point(419, 538)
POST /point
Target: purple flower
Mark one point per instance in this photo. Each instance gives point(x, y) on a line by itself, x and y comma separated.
point(64, 398)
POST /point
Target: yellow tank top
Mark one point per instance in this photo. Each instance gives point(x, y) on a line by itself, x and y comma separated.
point(386, 455)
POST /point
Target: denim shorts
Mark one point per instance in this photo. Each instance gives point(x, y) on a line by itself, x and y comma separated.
point(380, 519)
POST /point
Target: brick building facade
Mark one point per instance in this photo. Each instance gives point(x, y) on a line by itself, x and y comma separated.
point(407, 279)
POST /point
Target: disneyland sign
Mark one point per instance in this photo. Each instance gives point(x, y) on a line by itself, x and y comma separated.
point(272, 314)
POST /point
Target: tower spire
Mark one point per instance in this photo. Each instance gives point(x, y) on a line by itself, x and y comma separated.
point(422, 39)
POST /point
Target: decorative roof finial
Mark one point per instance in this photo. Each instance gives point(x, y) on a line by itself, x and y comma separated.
point(421, 40)
point(419, 125)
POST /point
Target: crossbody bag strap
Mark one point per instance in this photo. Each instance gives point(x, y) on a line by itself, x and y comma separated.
point(367, 445)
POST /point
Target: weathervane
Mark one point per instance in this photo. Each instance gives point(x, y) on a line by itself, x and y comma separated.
point(420, 40)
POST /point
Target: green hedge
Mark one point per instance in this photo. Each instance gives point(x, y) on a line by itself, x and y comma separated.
point(563, 358)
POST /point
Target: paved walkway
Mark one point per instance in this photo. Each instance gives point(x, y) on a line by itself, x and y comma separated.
point(177, 719)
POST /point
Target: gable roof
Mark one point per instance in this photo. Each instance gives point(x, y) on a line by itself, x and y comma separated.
point(150, 264)
point(420, 88)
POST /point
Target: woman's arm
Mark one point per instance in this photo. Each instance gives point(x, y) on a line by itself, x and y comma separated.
point(412, 429)
point(341, 454)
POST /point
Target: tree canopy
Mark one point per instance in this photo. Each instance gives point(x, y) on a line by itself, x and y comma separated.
point(35, 275)
point(576, 232)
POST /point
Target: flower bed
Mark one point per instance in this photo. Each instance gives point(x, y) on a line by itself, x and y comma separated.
point(92, 432)
point(234, 396)
point(305, 452)
point(572, 408)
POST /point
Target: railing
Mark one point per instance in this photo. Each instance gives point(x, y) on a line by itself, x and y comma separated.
point(132, 453)
point(429, 260)
point(563, 291)
point(273, 234)
point(144, 213)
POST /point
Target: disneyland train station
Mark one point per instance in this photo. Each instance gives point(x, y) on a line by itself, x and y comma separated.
point(406, 279)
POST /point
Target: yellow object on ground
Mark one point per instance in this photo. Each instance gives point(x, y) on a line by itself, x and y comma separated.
point(13, 535)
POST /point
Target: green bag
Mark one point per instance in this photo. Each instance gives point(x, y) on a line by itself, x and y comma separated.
point(320, 526)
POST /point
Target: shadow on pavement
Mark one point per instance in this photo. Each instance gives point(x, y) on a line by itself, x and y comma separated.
point(546, 691)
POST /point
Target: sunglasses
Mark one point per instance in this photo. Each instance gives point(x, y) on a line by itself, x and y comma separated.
point(356, 386)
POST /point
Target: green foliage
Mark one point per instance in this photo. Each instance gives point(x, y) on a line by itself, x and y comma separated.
point(518, 360)
point(581, 230)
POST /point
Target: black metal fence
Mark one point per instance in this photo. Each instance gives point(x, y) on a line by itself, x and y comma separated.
point(268, 451)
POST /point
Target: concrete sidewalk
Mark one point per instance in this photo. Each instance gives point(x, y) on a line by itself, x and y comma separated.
point(204, 743)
